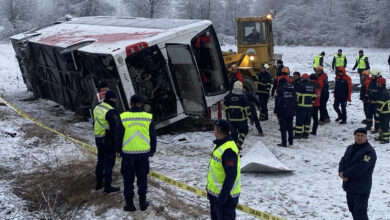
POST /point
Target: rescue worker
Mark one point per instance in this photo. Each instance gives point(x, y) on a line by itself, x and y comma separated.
point(339, 60)
point(355, 169)
point(279, 68)
point(383, 112)
point(363, 93)
point(372, 96)
point(105, 116)
point(223, 177)
point(235, 75)
point(342, 94)
point(316, 105)
point(236, 109)
point(286, 75)
point(305, 98)
point(296, 79)
point(324, 84)
point(285, 106)
point(362, 64)
point(135, 142)
point(318, 60)
point(252, 113)
point(264, 83)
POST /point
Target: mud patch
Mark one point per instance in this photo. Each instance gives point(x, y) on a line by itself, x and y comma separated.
point(36, 135)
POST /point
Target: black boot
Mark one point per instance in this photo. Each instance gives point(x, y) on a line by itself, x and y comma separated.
point(109, 189)
point(99, 184)
point(129, 207)
point(143, 204)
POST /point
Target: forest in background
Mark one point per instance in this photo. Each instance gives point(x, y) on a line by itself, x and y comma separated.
point(361, 23)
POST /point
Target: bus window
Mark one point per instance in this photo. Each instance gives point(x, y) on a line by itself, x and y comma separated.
point(263, 33)
point(249, 32)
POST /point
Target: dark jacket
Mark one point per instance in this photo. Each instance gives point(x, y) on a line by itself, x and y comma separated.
point(373, 90)
point(357, 165)
point(296, 82)
point(305, 94)
point(383, 100)
point(285, 101)
point(120, 132)
point(264, 83)
point(275, 83)
point(343, 86)
point(229, 163)
point(367, 64)
point(236, 107)
point(388, 61)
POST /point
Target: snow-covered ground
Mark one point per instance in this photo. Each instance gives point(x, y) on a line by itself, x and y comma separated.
point(313, 191)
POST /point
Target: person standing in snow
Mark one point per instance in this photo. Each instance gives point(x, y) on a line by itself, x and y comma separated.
point(224, 171)
point(236, 109)
point(372, 96)
point(383, 112)
point(339, 60)
point(316, 105)
point(105, 116)
point(355, 169)
point(279, 69)
point(264, 82)
point(318, 60)
point(363, 93)
point(342, 94)
point(135, 142)
point(362, 64)
point(324, 84)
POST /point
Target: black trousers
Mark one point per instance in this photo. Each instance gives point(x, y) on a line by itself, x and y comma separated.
point(357, 205)
point(365, 108)
point(343, 113)
point(263, 101)
point(372, 115)
point(384, 120)
point(239, 130)
point(323, 111)
point(105, 159)
point(135, 167)
point(286, 126)
point(303, 121)
point(255, 119)
point(315, 119)
point(225, 211)
point(360, 71)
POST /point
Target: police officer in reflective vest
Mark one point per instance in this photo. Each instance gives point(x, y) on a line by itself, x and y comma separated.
point(135, 142)
point(339, 60)
point(305, 99)
point(362, 64)
point(105, 117)
point(383, 112)
point(318, 60)
point(237, 108)
point(223, 177)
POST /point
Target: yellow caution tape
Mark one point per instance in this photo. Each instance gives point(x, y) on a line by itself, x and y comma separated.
point(170, 181)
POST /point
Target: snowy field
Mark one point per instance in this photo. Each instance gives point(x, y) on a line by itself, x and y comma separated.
point(313, 191)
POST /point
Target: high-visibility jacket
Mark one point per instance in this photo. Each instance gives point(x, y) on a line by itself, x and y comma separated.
point(317, 60)
point(361, 62)
point(216, 173)
point(339, 60)
point(101, 125)
point(136, 139)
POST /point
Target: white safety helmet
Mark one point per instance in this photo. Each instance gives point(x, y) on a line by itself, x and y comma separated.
point(375, 72)
point(266, 66)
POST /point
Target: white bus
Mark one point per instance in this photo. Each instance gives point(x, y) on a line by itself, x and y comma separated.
point(176, 65)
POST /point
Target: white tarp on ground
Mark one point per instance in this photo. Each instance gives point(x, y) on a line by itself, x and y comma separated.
point(260, 159)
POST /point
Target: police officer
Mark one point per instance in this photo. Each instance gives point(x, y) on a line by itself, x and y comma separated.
point(318, 60)
point(285, 106)
point(362, 64)
point(372, 96)
point(236, 109)
point(135, 142)
point(105, 117)
point(355, 169)
point(342, 94)
point(383, 112)
point(324, 84)
point(339, 60)
point(264, 83)
point(223, 177)
point(305, 98)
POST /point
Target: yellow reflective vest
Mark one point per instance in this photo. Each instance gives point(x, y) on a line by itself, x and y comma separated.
point(101, 125)
point(339, 60)
point(361, 62)
point(317, 61)
point(216, 173)
point(136, 139)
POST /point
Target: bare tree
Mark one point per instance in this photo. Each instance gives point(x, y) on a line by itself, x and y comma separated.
point(144, 8)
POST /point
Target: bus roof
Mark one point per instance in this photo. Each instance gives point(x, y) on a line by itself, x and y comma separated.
point(109, 34)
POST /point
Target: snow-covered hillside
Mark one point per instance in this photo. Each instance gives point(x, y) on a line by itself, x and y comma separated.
point(313, 191)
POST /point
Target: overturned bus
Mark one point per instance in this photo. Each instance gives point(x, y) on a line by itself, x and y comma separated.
point(176, 65)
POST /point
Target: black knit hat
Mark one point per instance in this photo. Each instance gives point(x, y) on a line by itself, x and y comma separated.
point(103, 84)
point(110, 94)
point(279, 62)
point(360, 130)
point(136, 99)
